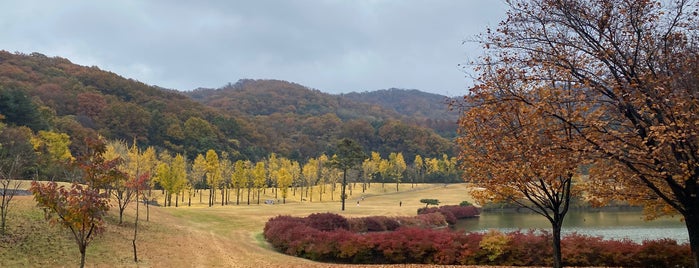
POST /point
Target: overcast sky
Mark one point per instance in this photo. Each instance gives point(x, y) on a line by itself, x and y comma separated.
point(333, 46)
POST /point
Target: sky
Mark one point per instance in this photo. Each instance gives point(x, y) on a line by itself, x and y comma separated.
point(335, 46)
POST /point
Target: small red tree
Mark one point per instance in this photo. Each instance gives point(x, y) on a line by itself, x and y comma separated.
point(137, 185)
point(79, 209)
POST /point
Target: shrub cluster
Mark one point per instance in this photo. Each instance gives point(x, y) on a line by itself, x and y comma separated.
point(377, 240)
point(373, 224)
point(451, 213)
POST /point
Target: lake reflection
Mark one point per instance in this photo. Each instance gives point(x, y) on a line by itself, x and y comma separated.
point(607, 224)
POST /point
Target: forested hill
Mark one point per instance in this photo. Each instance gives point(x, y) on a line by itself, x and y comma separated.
point(249, 119)
point(266, 97)
point(422, 108)
point(80, 101)
point(306, 120)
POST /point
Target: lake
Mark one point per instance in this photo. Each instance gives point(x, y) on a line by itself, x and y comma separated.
point(607, 224)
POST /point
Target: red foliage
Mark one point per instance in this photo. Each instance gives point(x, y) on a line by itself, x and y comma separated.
point(528, 249)
point(331, 242)
point(451, 213)
point(327, 221)
point(664, 253)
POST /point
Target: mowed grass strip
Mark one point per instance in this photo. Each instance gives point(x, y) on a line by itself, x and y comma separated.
point(201, 236)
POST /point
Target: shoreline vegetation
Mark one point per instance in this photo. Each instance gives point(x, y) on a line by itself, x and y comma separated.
point(332, 238)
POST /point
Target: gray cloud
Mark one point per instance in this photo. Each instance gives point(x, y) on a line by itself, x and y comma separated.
point(332, 45)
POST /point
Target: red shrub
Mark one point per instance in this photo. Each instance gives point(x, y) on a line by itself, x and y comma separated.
point(528, 249)
point(469, 252)
point(448, 216)
point(427, 210)
point(664, 253)
point(327, 221)
point(357, 225)
point(373, 224)
point(324, 237)
point(431, 220)
point(391, 224)
point(461, 212)
point(620, 253)
point(582, 250)
point(277, 230)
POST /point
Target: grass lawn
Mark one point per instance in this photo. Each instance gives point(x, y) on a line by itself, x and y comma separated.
point(200, 236)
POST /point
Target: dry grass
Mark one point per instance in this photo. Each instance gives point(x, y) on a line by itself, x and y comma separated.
point(200, 236)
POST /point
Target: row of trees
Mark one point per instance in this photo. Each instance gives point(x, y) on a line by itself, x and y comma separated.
point(605, 86)
point(223, 178)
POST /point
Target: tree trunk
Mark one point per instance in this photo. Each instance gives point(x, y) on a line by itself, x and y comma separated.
point(557, 260)
point(344, 183)
point(211, 197)
point(237, 195)
point(148, 208)
point(4, 215)
point(692, 222)
point(121, 214)
point(82, 255)
point(135, 232)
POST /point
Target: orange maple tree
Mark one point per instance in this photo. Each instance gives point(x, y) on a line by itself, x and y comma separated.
point(632, 68)
point(79, 209)
point(511, 153)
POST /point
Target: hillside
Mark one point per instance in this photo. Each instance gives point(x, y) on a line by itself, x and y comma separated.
point(422, 108)
point(309, 120)
point(85, 101)
point(266, 97)
point(249, 119)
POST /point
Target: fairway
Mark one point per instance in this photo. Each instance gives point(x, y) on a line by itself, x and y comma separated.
point(202, 236)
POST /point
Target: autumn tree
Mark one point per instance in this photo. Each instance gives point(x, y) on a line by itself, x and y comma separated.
point(239, 177)
point(310, 174)
point(370, 167)
point(79, 209)
point(15, 156)
point(145, 169)
point(259, 178)
point(198, 174)
point(249, 179)
point(419, 168)
point(96, 171)
point(139, 167)
point(633, 66)
point(284, 179)
point(511, 153)
point(117, 187)
point(9, 185)
point(396, 167)
point(348, 155)
point(172, 175)
point(273, 165)
point(226, 177)
point(213, 174)
point(323, 175)
point(53, 152)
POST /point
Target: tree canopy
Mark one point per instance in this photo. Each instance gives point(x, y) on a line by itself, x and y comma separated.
point(630, 69)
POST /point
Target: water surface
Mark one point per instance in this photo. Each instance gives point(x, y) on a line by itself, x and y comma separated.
point(607, 224)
